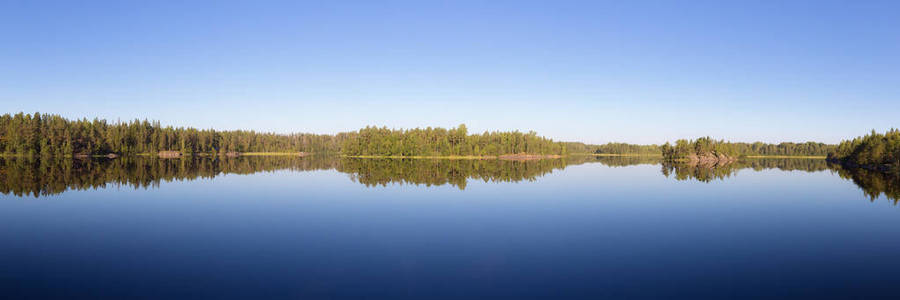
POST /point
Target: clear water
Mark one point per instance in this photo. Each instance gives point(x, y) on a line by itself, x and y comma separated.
point(342, 228)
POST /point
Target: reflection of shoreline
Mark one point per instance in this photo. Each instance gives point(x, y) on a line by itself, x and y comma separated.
point(874, 183)
point(708, 173)
point(42, 177)
point(429, 172)
point(36, 177)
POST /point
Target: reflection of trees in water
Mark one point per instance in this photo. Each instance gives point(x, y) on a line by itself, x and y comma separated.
point(784, 164)
point(625, 161)
point(695, 172)
point(42, 177)
point(682, 171)
point(456, 172)
point(873, 183)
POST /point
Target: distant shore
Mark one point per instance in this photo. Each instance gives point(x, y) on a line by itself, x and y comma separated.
point(786, 156)
point(500, 157)
point(167, 154)
point(505, 156)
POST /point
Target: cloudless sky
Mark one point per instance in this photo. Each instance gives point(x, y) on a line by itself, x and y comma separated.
point(593, 71)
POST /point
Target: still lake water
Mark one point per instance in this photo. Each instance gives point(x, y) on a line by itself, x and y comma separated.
point(288, 227)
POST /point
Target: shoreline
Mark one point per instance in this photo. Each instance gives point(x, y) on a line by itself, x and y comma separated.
point(504, 156)
point(113, 155)
point(464, 157)
point(787, 156)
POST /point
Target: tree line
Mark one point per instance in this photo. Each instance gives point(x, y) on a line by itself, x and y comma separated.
point(872, 150)
point(52, 135)
point(684, 148)
point(381, 141)
point(623, 148)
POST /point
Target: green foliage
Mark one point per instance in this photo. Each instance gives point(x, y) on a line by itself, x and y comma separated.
point(40, 176)
point(622, 148)
point(720, 172)
point(684, 148)
point(873, 149)
point(434, 172)
point(701, 146)
point(375, 141)
point(874, 183)
point(52, 135)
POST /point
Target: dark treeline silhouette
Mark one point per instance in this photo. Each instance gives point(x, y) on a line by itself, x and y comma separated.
point(873, 183)
point(683, 171)
point(456, 172)
point(381, 141)
point(51, 135)
point(874, 151)
point(705, 145)
point(38, 176)
point(784, 164)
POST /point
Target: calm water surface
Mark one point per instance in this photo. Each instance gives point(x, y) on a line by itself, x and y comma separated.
point(285, 227)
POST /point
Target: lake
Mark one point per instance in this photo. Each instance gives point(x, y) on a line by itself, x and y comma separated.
point(325, 227)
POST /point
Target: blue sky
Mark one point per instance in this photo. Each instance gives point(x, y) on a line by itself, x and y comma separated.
point(593, 71)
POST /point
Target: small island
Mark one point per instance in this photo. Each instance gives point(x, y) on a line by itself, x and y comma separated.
point(703, 151)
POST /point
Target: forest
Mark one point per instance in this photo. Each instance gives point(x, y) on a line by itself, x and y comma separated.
point(51, 135)
point(623, 148)
point(683, 148)
point(375, 141)
point(874, 150)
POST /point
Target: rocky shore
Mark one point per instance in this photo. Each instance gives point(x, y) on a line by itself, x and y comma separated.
point(710, 159)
